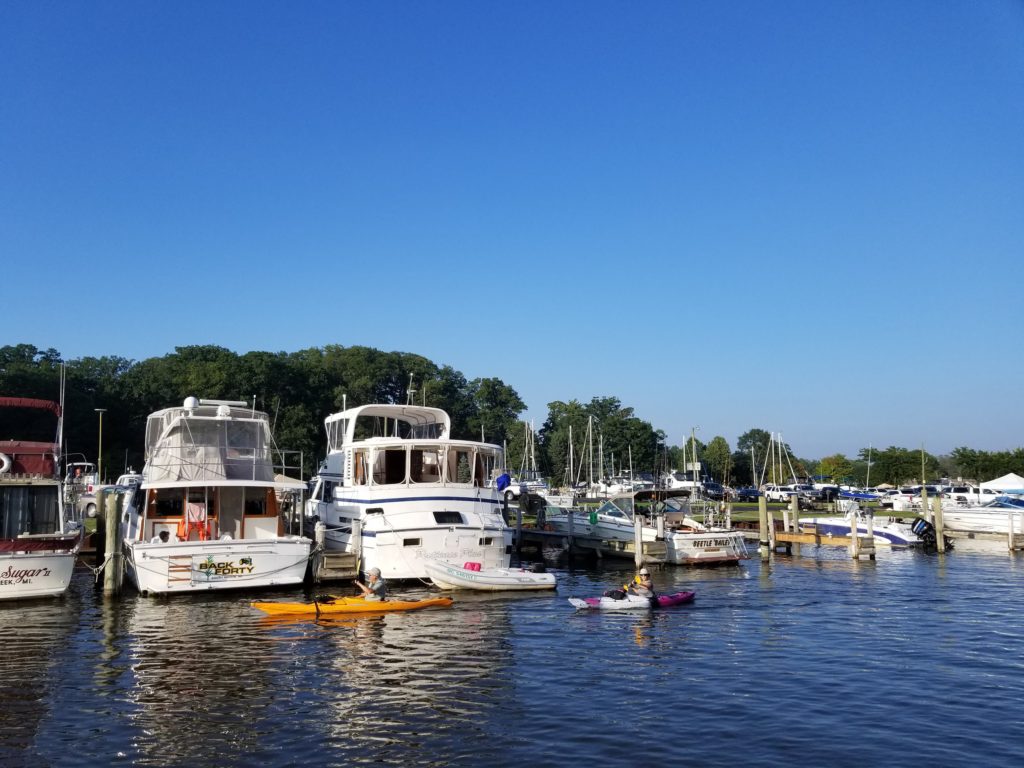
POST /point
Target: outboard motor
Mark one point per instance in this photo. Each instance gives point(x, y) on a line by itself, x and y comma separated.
point(537, 568)
point(925, 531)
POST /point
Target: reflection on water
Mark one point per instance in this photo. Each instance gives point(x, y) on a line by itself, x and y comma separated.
point(778, 663)
point(34, 638)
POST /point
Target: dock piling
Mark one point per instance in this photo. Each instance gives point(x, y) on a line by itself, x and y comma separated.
point(764, 545)
point(109, 502)
point(940, 536)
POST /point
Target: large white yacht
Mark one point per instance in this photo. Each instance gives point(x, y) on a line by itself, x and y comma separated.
point(209, 483)
point(396, 490)
point(38, 546)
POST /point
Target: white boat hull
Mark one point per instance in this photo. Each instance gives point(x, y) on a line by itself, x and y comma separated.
point(705, 548)
point(885, 533)
point(405, 536)
point(199, 566)
point(982, 520)
point(448, 576)
point(682, 547)
point(35, 574)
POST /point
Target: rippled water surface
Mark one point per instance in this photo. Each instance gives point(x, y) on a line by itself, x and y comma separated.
point(909, 660)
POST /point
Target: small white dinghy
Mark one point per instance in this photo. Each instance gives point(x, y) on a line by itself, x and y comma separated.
point(472, 576)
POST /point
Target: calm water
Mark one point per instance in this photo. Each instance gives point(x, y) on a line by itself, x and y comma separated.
point(905, 661)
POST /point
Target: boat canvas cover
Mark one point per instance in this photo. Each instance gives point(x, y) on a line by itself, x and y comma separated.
point(182, 448)
point(1011, 483)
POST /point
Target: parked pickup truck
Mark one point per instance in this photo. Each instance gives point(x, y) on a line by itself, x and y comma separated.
point(773, 492)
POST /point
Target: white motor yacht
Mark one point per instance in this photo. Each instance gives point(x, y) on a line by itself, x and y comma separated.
point(209, 485)
point(399, 492)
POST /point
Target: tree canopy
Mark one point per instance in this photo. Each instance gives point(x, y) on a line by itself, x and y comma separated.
point(299, 389)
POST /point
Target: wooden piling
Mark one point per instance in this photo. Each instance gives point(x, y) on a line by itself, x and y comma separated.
point(356, 543)
point(869, 545)
point(638, 539)
point(112, 573)
point(764, 546)
point(854, 539)
point(319, 539)
point(519, 526)
point(940, 536)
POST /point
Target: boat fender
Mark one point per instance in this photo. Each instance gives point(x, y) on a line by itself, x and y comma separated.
point(5, 463)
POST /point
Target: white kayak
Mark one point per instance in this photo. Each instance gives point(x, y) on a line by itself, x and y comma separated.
point(450, 576)
point(631, 602)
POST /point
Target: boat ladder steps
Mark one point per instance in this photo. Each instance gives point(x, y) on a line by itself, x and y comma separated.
point(338, 565)
point(179, 568)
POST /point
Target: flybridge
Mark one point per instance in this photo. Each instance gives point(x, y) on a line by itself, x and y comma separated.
point(25, 457)
point(365, 422)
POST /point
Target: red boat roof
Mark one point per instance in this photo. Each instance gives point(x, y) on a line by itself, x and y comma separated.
point(30, 458)
point(30, 402)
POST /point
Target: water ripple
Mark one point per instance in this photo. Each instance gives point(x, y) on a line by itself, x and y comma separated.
point(912, 659)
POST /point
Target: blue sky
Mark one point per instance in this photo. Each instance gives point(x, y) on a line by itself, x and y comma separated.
point(800, 216)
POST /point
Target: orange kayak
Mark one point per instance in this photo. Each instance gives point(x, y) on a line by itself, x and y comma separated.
point(339, 605)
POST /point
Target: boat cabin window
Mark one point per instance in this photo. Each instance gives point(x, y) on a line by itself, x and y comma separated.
point(389, 466)
point(411, 542)
point(460, 466)
point(244, 439)
point(448, 518)
point(325, 491)
point(28, 509)
point(166, 502)
point(425, 465)
point(489, 464)
point(255, 505)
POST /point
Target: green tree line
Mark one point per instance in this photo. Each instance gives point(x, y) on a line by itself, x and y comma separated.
point(299, 389)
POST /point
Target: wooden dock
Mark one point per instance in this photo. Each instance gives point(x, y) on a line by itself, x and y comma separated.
point(526, 538)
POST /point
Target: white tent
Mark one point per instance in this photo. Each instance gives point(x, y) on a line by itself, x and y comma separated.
point(1011, 483)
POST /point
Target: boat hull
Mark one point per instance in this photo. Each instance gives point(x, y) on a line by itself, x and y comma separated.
point(892, 534)
point(448, 576)
point(348, 605)
point(35, 574)
point(199, 566)
point(632, 602)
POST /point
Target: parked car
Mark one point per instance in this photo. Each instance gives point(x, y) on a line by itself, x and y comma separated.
point(747, 494)
point(714, 491)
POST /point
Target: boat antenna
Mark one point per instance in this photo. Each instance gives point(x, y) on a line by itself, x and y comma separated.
point(410, 394)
